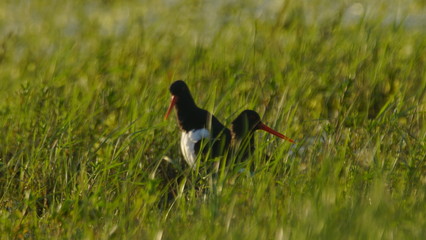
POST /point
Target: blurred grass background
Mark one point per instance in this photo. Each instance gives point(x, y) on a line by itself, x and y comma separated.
point(84, 88)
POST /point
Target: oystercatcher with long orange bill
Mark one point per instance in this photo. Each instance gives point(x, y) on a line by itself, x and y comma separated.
point(242, 129)
point(197, 125)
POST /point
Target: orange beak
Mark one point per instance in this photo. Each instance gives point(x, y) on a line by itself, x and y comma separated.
point(272, 131)
point(172, 104)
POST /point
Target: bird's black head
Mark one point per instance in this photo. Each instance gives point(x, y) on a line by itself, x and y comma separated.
point(247, 121)
point(181, 98)
point(179, 89)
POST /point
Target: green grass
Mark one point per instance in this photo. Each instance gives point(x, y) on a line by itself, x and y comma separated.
point(84, 88)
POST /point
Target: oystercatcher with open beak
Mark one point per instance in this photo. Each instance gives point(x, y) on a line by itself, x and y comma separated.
point(197, 125)
point(242, 129)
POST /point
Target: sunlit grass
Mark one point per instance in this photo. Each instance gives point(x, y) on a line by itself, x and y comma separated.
point(84, 89)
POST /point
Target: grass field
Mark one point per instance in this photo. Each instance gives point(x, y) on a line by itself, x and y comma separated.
point(84, 89)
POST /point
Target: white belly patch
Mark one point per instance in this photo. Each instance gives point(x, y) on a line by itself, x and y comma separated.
point(187, 143)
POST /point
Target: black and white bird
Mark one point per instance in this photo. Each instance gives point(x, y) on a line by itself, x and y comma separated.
point(199, 127)
point(242, 131)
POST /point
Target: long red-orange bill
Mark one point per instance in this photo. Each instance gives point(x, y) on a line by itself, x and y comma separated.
point(272, 131)
point(172, 104)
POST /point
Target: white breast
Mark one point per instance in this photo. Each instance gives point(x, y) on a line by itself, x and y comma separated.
point(187, 143)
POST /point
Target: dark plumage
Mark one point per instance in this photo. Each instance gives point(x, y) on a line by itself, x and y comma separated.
point(196, 124)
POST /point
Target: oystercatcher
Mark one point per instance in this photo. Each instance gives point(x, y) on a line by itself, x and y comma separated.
point(197, 125)
point(242, 129)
